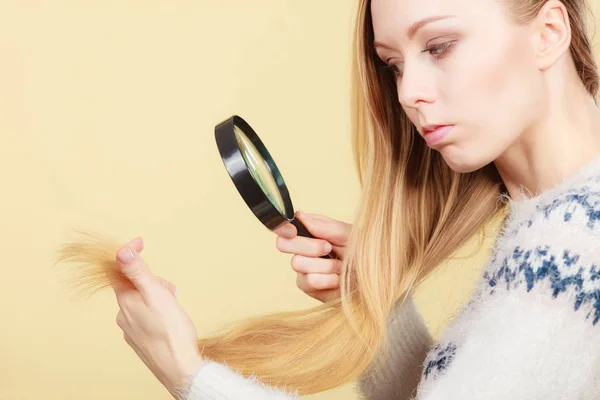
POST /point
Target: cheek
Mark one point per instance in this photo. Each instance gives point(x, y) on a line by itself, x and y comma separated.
point(412, 115)
point(494, 99)
point(497, 90)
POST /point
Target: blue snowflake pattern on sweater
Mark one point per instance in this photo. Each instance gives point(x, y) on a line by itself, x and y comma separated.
point(438, 359)
point(584, 200)
point(559, 268)
point(547, 252)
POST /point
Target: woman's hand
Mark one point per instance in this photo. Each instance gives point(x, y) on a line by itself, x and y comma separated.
point(154, 324)
point(317, 277)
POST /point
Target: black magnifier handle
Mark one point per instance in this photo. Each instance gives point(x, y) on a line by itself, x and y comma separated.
point(302, 231)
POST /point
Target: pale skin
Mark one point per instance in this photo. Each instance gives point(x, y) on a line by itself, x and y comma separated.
point(511, 95)
point(510, 91)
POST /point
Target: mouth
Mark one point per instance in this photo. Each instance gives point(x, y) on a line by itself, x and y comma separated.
point(435, 134)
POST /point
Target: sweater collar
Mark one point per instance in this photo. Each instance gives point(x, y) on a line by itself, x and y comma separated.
point(567, 183)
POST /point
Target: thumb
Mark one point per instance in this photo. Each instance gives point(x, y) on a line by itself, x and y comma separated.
point(323, 227)
point(170, 287)
point(135, 269)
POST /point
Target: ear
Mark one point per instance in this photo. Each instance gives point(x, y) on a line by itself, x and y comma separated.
point(552, 33)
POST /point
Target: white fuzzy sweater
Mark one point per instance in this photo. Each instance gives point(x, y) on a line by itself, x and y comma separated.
point(530, 330)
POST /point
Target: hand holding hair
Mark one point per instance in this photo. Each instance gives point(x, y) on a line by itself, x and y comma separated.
point(154, 324)
point(317, 277)
point(307, 342)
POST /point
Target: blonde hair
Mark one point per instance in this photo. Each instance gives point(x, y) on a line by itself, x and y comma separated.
point(414, 212)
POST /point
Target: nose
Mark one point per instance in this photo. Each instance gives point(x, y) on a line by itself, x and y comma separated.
point(416, 86)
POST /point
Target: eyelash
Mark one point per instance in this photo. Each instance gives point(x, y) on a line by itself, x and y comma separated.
point(441, 48)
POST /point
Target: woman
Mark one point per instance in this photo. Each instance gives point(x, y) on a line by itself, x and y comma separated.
point(459, 104)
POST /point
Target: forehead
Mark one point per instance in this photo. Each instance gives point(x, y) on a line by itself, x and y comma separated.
point(392, 18)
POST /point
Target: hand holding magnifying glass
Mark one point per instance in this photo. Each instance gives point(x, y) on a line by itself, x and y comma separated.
point(256, 176)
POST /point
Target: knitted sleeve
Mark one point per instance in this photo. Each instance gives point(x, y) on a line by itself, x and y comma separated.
point(396, 381)
point(532, 331)
point(409, 343)
point(216, 381)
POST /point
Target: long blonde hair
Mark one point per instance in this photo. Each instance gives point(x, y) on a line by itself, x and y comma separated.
point(414, 212)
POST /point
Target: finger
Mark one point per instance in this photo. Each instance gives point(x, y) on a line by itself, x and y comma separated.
point(325, 295)
point(128, 299)
point(287, 231)
point(122, 288)
point(171, 287)
point(135, 269)
point(312, 282)
point(320, 226)
point(309, 265)
point(308, 247)
point(137, 244)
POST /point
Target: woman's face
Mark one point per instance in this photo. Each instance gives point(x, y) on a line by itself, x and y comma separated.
point(467, 66)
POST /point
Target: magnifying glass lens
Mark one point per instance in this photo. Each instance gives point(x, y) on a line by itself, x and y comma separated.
point(256, 176)
point(260, 170)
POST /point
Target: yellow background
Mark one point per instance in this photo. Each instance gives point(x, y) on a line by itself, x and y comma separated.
point(107, 111)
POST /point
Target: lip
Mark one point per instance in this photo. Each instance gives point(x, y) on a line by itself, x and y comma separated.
point(435, 134)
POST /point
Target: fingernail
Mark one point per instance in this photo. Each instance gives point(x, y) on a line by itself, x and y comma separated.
point(288, 230)
point(328, 247)
point(305, 216)
point(125, 255)
point(176, 292)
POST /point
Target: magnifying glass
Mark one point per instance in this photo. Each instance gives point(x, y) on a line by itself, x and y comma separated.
point(256, 176)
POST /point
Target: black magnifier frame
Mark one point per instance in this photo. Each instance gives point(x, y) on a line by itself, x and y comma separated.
point(249, 189)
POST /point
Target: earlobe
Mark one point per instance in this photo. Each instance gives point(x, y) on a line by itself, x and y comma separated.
point(554, 36)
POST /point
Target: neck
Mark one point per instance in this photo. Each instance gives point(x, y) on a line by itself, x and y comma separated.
point(565, 139)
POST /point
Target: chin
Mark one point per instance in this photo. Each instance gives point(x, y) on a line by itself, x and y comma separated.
point(462, 161)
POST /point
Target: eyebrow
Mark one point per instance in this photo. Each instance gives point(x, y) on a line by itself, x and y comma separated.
point(414, 28)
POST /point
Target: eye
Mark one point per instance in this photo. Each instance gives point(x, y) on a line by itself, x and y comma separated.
point(438, 50)
point(396, 69)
